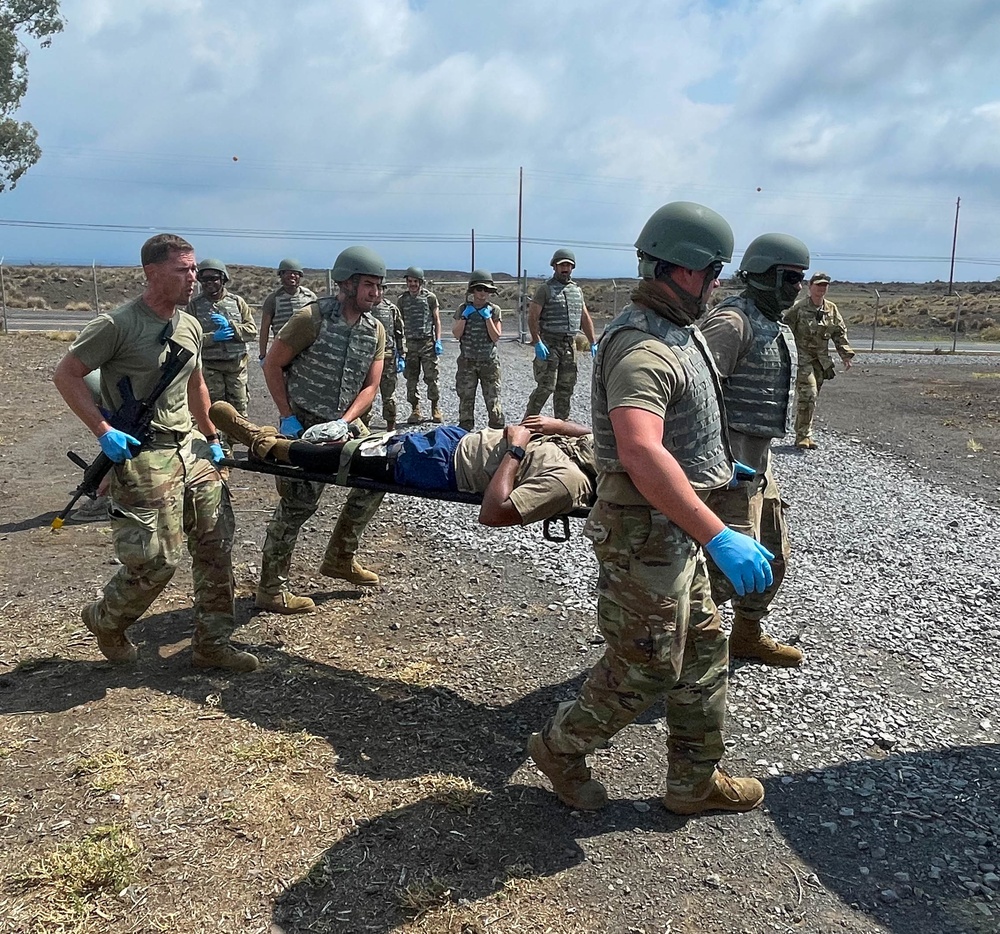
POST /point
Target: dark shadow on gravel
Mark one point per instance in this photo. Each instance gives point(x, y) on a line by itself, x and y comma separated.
point(912, 840)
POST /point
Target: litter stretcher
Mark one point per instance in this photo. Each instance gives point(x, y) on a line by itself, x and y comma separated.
point(358, 467)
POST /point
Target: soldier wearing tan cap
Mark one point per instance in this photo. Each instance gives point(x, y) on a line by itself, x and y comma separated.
point(815, 321)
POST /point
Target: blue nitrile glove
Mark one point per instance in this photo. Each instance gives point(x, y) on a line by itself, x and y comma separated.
point(115, 445)
point(593, 351)
point(224, 333)
point(217, 452)
point(438, 347)
point(400, 364)
point(741, 473)
point(218, 319)
point(743, 560)
point(470, 310)
point(486, 312)
point(290, 426)
point(260, 360)
point(541, 351)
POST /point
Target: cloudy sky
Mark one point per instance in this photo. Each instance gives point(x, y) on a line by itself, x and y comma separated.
point(261, 129)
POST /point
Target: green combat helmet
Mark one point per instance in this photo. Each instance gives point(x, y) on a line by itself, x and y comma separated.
point(215, 264)
point(290, 265)
point(562, 256)
point(764, 270)
point(774, 249)
point(358, 261)
point(685, 234)
point(481, 277)
point(414, 272)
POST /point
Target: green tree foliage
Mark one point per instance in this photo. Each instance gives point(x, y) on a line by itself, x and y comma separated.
point(39, 19)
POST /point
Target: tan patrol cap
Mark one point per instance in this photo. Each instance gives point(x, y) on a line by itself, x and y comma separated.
point(819, 277)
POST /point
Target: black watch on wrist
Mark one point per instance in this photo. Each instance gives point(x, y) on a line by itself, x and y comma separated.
point(516, 451)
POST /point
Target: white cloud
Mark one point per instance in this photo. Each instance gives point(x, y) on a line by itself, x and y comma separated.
point(859, 121)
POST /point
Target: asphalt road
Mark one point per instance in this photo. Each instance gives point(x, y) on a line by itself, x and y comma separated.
point(21, 319)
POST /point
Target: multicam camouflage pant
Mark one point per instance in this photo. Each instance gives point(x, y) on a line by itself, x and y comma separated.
point(663, 638)
point(471, 374)
point(387, 388)
point(299, 501)
point(168, 492)
point(808, 382)
point(420, 355)
point(555, 376)
point(228, 386)
point(758, 511)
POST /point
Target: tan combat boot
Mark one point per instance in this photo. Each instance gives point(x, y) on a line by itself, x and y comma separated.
point(719, 792)
point(283, 602)
point(749, 641)
point(436, 415)
point(806, 444)
point(347, 568)
point(416, 416)
point(570, 777)
point(114, 646)
point(260, 440)
point(224, 656)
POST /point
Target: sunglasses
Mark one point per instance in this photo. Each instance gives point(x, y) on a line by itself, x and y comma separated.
point(480, 288)
point(792, 276)
point(209, 278)
point(714, 271)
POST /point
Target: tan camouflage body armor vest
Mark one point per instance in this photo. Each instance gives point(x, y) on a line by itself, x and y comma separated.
point(203, 308)
point(563, 308)
point(475, 343)
point(386, 313)
point(286, 305)
point(693, 430)
point(326, 377)
point(418, 319)
point(760, 399)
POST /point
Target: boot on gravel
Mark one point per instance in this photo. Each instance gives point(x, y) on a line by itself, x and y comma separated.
point(348, 568)
point(436, 415)
point(114, 646)
point(283, 602)
point(224, 656)
point(569, 775)
point(749, 641)
point(720, 792)
point(416, 416)
point(806, 444)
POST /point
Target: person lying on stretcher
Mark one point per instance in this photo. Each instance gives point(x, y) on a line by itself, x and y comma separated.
point(526, 473)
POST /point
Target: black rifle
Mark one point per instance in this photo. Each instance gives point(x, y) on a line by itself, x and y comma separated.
point(133, 417)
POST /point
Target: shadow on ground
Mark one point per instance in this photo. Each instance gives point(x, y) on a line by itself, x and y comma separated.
point(909, 840)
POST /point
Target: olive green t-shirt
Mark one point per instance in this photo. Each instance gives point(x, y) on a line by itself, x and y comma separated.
point(548, 482)
point(132, 341)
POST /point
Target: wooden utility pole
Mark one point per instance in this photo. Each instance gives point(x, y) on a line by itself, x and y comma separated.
point(954, 242)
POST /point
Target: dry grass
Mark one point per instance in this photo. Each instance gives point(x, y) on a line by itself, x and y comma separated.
point(105, 770)
point(79, 306)
point(64, 337)
point(273, 749)
point(72, 878)
point(36, 301)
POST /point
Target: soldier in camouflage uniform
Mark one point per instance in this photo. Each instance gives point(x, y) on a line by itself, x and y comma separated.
point(555, 314)
point(324, 365)
point(422, 322)
point(169, 489)
point(228, 325)
point(815, 321)
point(661, 447)
point(395, 340)
point(283, 302)
point(755, 355)
point(477, 328)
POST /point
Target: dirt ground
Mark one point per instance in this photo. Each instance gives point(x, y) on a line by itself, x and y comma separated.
point(371, 776)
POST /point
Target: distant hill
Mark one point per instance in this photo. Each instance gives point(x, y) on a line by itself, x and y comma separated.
point(914, 307)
